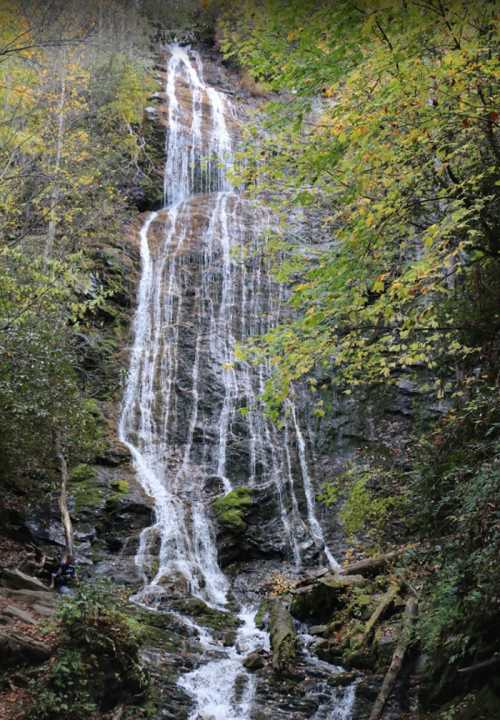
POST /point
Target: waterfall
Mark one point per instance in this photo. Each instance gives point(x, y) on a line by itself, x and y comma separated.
point(191, 412)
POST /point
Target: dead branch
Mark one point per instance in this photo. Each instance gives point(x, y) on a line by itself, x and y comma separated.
point(405, 637)
point(386, 600)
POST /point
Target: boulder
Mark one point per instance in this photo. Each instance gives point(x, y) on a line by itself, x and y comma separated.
point(17, 649)
point(341, 679)
point(254, 661)
point(317, 601)
point(359, 659)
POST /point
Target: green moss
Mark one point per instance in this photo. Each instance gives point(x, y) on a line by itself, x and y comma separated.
point(232, 508)
point(85, 491)
point(207, 616)
point(82, 473)
point(329, 495)
point(261, 614)
point(86, 496)
point(120, 488)
point(363, 509)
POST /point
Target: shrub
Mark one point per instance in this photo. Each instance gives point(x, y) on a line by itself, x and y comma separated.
point(97, 665)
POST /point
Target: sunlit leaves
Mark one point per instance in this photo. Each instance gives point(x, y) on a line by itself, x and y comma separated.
point(397, 143)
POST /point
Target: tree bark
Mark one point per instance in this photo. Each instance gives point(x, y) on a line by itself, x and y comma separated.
point(63, 496)
point(397, 659)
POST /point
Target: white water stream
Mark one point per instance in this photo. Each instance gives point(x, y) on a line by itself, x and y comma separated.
point(205, 286)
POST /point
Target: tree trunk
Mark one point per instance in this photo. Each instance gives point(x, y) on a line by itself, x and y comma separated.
point(63, 496)
point(54, 200)
point(370, 565)
point(397, 659)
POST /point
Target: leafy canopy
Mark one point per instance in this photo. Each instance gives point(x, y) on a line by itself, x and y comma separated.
point(386, 134)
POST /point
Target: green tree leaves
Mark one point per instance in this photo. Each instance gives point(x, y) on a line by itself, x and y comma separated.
point(388, 130)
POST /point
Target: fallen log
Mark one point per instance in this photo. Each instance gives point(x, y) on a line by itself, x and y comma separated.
point(283, 636)
point(370, 565)
point(481, 665)
point(390, 678)
point(385, 602)
point(312, 577)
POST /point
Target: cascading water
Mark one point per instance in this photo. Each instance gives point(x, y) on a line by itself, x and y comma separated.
point(205, 286)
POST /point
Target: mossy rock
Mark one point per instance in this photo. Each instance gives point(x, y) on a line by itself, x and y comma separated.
point(206, 615)
point(262, 615)
point(87, 496)
point(82, 473)
point(359, 659)
point(232, 509)
point(121, 488)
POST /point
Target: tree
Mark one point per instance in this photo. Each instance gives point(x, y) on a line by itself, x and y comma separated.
point(388, 129)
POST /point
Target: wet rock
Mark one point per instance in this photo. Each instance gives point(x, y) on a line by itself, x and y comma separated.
point(254, 661)
point(329, 651)
point(231, 509)
point(360, 658)
point(342, 679)
point(318, 630)
point(175, 585)
point(249, 526)
point(229, 638)
point(283, 636)
point(205, 615)
point(114, 456)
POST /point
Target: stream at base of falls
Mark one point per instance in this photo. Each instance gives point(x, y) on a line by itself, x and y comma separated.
point(192, 417)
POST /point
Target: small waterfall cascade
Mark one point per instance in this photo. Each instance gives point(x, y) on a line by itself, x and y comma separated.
point(191, 414)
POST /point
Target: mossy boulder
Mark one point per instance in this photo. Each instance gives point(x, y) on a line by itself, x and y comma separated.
point(231, 509)
point(205, 615)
